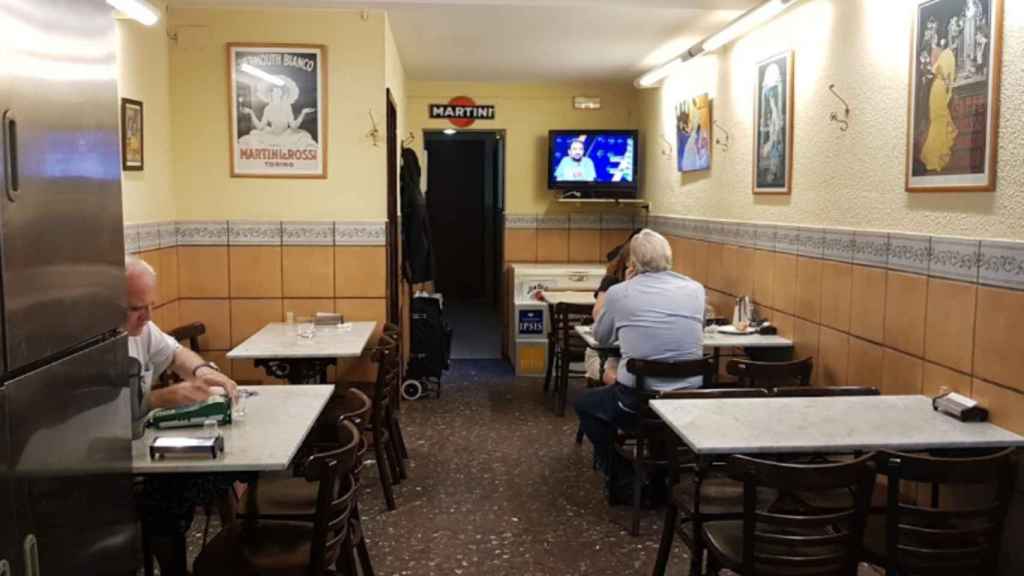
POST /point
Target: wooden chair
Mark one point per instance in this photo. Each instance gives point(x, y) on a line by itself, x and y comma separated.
point(319, 546)
point(792, 543)
point(823, 392)
point(390, 466)
point(564, 348)
point(187, 333)
point(935, 539)
point(649, 443)
point(753, 374)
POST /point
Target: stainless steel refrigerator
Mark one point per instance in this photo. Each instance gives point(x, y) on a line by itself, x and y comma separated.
point(65, 423)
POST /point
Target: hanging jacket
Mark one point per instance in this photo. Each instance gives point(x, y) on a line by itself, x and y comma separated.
point(416, 242)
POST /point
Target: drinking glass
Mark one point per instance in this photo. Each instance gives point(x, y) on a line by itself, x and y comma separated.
point(238, 407)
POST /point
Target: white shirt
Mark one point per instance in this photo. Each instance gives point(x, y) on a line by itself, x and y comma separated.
point(155, 351)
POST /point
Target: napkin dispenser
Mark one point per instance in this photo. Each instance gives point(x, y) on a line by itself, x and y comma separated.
point(960, 407)
point(216, 408)
point(164, 446)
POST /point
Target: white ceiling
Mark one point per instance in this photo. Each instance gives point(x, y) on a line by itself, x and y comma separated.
point(534, 40)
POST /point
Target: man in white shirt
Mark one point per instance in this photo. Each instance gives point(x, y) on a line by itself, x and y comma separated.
point(157, 351)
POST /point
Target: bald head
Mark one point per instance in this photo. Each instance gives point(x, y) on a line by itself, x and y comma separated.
point(140, 294)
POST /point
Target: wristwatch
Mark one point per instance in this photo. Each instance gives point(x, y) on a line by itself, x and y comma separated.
point(209, 365)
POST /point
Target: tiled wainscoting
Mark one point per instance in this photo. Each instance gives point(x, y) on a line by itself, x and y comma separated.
point(236, 276)
point(905, 313)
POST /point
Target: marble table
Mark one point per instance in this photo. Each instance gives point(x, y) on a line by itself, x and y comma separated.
point(277, 420)
point(279, 349)
point(554, 297)
point(716, 340)
point(823, 425)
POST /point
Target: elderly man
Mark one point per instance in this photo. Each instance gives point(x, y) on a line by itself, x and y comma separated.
point(168, 502)
point(656, 314)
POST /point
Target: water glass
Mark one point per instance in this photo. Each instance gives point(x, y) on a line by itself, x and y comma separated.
point(238, 407)
point(307, 330)
point(210, 428)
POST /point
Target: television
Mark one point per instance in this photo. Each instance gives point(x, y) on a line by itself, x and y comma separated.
point(594, 163)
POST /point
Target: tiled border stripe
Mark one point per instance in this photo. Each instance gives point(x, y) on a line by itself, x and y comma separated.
point(153, 235)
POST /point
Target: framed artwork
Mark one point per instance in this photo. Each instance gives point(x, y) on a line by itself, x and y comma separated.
point(773, 125)
point(693, 134)
point(953, 117)
point(131, 135)
point(278, 110)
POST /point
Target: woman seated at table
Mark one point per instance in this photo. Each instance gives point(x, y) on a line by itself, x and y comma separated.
point(655, 314)
point(618, 259)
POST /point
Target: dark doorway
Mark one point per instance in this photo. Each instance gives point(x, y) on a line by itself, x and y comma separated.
point(465, 201)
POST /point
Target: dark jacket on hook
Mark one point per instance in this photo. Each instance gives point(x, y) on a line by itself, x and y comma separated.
point(416, 243)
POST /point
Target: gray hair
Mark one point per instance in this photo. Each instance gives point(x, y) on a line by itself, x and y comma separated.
point(134, 265)
point(650, 252)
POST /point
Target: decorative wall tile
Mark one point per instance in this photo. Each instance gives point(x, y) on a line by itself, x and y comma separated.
point(1002, 264)
point(364, 233)
point(955, 258)
point(909, 252)
point(766, 236)
point(700, 229)
point(811, 242)
point(254, 232)
point(553, 221)
point(520, 221)
point(168, 234)
point(746, 235)
point(787, 239)
point(871, 248)
point(203, 233)
point(616, 221)
point(131, 238)
point(728, 232)
point(591, 221)
point(677, 226)
point(307, 233)
point(656, 223)
point(149, 236)
point(838, 245)
point(714, 231)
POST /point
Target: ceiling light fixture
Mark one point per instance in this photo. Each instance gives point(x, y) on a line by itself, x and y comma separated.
point(250, 69)
point(139, 10)
point(738, 27)
point(450, 131)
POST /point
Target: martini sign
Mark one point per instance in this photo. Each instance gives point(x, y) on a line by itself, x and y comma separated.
point(462, 111)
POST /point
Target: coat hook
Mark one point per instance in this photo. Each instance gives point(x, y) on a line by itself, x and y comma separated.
point(666, 151)
point(834, 117)
point(723, 143)
point(374, 132)
point(409, 140)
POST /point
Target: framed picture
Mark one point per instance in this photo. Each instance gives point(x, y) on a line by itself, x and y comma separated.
point(278, 110)
point(953, 116)
point(131, 135)
point(693, 134)
point(773, 125)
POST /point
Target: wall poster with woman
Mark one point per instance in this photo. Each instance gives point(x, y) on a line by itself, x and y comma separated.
point(954, 95)
point(773, 125)
point(278, 110)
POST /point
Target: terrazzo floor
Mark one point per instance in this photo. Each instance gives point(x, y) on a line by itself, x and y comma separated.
point(497, 487)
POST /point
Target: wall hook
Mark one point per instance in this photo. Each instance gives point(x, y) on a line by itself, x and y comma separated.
point(666, 150)
point(834, 117)
point(409, 140)
point(374, 132)
point(724, 144)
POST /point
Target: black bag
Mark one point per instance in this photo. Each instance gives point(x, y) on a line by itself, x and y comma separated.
point(431, 339)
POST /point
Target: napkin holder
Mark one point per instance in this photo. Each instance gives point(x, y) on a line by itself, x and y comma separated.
point(767, 330)
point(960, 407)
point(164, 446)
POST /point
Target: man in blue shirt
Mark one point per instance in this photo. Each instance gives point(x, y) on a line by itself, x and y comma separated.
point(576, 167)
point(656, 314)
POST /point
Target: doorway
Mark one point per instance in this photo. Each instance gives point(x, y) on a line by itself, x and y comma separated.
point(465, 204)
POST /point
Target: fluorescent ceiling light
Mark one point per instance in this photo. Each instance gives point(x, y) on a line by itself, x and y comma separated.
point(450, 131)
point(138, 10)
point(656, 75)
point(745, 23)
point(250, 69)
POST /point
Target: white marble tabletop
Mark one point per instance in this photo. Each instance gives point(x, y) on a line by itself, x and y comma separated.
point(823, 425)
point(279, 340)
point(276, 422)
point(569, 296)
point(710, 340)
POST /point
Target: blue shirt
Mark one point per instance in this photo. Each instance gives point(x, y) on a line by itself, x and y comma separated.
point(570, 170)
point(654, 316)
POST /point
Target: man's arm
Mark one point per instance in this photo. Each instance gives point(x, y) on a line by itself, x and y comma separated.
point(604, 324)
point(190, 366)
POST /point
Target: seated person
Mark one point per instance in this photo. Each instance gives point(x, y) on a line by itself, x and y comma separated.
point(168, 502)
point(656, 314)
point(574, 166)
point(618, 259)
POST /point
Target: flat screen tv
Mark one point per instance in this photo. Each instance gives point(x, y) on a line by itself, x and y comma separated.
point(594, 163)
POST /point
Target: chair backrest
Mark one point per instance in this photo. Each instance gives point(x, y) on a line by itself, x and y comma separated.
point(335, 502)
point(713, 393)
point(818, 392)
point(817, 542)
point(385, 355)
point(956, 540)
point(644, 369)
point(772, 374)
point(190, 332)
point(567, 316)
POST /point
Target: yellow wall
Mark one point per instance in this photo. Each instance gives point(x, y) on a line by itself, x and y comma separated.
point(526, 112)
point(394, 78)
point(144, 74)
point(355, 187)
point(852, 179)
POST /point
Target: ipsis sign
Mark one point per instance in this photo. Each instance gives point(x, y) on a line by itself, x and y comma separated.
point(462, 111)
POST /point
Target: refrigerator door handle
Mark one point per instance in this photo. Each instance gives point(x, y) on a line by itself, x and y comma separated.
point(31, 555)
point(10, 143)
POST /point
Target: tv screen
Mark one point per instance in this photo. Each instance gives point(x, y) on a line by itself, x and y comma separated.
point(593, 160)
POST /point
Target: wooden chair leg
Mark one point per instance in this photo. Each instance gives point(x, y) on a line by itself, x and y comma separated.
point(398, 465)
point(549, 370)
point(668, 536)
point(365, 566)
point(638, 485)
point(345, 565)
point(384, 471)
point(579, 435)
point(396, 431)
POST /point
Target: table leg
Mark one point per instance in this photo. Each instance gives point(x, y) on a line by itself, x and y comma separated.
point(297, 370)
